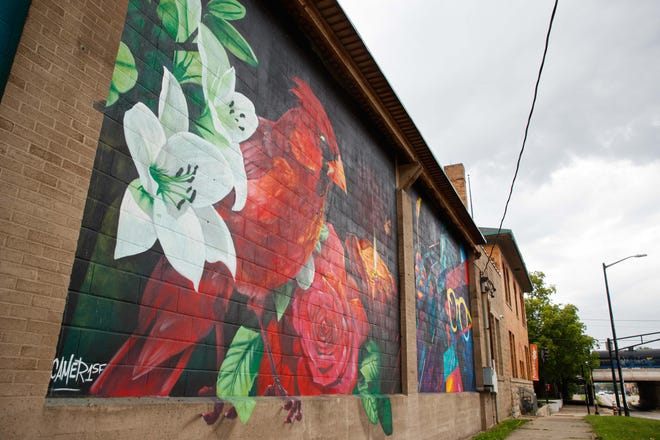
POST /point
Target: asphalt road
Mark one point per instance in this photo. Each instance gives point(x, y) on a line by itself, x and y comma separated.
point(607, 401)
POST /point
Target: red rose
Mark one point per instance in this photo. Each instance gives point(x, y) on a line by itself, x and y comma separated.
point(316, 344)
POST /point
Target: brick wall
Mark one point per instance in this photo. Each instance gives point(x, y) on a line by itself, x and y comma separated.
point(48, 135)
point(456, 174)
point(508, 323)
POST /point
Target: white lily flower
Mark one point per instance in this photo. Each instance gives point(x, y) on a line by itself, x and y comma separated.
point(181, 176)
point(232, 113)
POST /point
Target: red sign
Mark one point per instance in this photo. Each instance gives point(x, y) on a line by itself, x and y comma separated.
point(534, 355)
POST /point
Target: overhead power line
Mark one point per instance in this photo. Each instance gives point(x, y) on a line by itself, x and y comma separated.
point(524, 142)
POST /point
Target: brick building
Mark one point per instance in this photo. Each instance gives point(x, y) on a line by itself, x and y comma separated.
point(507, 320)
point(222, 208)
point(504, 280)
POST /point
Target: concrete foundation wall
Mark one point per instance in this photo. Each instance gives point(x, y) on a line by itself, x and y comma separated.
point(422, 416)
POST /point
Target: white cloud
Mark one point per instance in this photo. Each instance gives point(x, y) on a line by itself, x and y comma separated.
point(589, 185)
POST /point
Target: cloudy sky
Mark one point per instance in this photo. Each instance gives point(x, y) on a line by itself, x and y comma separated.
point(588, 190)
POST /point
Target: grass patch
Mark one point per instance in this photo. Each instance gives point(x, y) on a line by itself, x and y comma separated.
point(502, 430)
point(624, 428)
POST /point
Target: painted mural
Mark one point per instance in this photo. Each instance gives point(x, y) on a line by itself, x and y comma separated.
point(445, 360)
point(232, 245)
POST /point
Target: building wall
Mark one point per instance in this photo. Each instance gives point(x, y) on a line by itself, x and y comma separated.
point(48, 134)
point(301, 214)
point(509, 326)
point(99, 316)
point(445, 355)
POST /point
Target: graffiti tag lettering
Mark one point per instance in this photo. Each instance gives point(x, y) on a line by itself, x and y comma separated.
point(74, 370)
point(459, 314)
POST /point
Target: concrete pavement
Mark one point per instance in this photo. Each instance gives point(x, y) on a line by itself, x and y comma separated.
point(564, 425)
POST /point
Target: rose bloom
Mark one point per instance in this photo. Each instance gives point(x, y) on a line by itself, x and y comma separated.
point(316, 344)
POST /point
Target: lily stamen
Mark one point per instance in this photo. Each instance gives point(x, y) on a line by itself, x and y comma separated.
point(173, 189)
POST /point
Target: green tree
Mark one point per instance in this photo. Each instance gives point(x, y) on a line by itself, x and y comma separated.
point(557, 329)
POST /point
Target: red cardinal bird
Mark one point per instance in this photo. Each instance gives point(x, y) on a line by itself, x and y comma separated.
point(173, 318)
point(290, 166)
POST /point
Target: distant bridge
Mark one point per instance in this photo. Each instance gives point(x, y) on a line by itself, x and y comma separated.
point(639, 366)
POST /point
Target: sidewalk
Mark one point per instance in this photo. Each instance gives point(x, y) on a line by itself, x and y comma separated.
point(566, 424)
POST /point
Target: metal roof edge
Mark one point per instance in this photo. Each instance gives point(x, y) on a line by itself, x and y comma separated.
point(507, 242)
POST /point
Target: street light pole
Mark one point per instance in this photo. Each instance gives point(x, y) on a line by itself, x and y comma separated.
point(614, 386)
point(593, 390)
point(616, 344)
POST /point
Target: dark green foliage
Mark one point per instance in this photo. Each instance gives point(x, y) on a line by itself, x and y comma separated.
point(557, 328)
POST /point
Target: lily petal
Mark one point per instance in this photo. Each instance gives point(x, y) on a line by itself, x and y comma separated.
point(182, 240)
point(236, 115)
point(234, 157)
point(213, 178)
point(135, 232)
point(145, 138)
point(214, 63)
point(219, 243)
point(172, 106)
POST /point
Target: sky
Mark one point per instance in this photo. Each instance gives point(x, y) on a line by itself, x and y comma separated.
point(588, 189)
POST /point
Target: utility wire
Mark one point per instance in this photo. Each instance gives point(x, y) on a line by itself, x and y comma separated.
point(529, 119)
point(621, 320)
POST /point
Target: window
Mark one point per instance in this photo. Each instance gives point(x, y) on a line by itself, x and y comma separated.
point(515, 295)
point(500, 357)
point(512, 349)
point(507, 291)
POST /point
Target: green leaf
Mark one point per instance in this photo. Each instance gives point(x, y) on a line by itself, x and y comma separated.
point(124, 76)
point(113, 96)
point(142, 198)
point(169, 15)
point(368, 386)
point(325, 233)
point(239, 371)
point(231, 39)
point(370, 404)
point(385, 415)
point(204, 125)
point(227, 9)
point(369, 373)
point(187, 67)
point(282, 296)
point(244, 407)
point(180, 17)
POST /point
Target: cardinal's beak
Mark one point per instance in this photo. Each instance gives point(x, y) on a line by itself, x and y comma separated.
point(336, 173)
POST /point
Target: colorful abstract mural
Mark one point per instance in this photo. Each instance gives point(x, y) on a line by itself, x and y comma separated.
point(232, 245)
point(445, 360)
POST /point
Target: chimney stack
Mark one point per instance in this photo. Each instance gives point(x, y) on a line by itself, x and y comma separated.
point(456, 174)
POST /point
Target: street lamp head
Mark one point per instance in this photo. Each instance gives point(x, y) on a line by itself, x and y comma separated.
point(605, 266)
